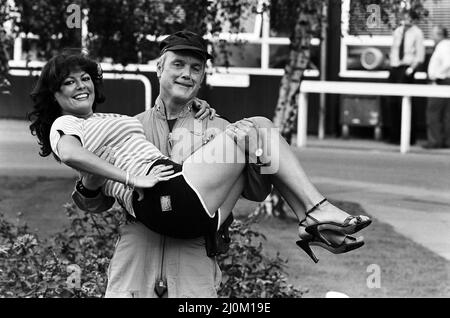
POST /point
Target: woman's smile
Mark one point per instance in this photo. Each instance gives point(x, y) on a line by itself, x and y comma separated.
point(81, 97)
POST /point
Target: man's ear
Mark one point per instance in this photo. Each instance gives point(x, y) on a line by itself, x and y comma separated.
point(160, 66)
point(158, 69)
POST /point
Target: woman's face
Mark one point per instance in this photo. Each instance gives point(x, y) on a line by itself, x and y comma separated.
point(76, 94)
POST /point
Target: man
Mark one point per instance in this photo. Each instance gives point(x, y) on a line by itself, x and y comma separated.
point(407, 54)
point(438, 109)
point(147, 264)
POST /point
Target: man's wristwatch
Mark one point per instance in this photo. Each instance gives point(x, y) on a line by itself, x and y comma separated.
point(85, 191)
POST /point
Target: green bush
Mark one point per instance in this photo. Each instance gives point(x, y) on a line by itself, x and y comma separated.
point(31, 267)
point(247, 271)
point(74, 262)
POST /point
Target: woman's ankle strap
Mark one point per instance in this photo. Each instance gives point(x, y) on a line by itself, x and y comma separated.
point(316, 206)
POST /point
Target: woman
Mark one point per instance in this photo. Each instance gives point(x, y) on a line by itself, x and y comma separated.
point(157, 190)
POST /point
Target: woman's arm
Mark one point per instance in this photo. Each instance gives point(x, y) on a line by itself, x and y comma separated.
point(74, 155)
point(92, 182)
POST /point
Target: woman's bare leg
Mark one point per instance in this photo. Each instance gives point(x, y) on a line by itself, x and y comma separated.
point(295, 203)
point(229, 203)
point(292, 181)
point(214, 170)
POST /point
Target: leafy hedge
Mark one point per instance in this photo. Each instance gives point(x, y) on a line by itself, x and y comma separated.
point(31, 267)
point(248, 272)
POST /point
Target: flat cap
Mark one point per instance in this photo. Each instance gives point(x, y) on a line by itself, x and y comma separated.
point(185, 40)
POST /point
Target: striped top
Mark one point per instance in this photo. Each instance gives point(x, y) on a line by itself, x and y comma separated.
point(134, 153)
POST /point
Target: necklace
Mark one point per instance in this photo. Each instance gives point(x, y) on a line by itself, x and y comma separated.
point(169, 136)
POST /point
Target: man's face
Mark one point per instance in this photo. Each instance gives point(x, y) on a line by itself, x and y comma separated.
point(406, 19)
point(180, 75)
point(437, 34)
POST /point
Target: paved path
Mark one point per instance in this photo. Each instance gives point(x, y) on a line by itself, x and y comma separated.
point(411, 192)
point(19, 153)
point(422, 215)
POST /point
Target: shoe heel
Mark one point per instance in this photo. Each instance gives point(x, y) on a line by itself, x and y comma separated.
point(304, 245)
point(315, 231)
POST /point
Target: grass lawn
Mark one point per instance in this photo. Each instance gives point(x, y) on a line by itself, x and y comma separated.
point(39, 201)
point(406, 268)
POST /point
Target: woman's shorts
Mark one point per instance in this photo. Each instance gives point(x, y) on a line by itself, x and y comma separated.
point(173, 208)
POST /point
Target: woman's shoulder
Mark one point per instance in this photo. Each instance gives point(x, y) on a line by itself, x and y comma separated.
point(108, 115)
point(68, 124)
point(124, 119)
point(113, 115)
point(67, 120)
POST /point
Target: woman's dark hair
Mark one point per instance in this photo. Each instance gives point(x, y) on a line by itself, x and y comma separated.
point(45, 107)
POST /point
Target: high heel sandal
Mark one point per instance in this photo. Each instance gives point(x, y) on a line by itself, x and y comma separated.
point(344, 227)
point(334, 242)
point(330, 235)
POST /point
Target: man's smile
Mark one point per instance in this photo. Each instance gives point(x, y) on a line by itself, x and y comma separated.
point(187, 85)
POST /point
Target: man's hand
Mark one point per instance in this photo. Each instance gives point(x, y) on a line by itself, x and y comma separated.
point(240, 130)
point(204, 109)
point(93, 182)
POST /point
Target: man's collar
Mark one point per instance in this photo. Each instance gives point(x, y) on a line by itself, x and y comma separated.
point(159, 106)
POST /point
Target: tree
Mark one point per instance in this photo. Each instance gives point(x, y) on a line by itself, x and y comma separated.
point(118, 28)
point(6, 14)
point(133, 20)
point(126, 42)
point(49, 19)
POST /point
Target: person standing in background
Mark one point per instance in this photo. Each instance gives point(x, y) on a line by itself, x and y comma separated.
point(438, 109)
point(407, 54)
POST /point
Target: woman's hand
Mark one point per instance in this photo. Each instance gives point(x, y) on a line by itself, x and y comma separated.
point(157, 174)
point(204, 109)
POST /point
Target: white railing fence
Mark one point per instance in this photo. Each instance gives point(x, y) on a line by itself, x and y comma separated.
point(406, 91)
